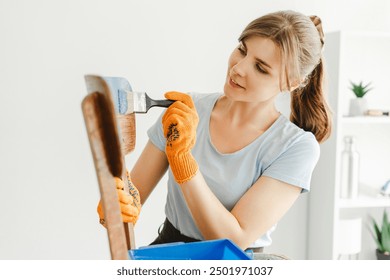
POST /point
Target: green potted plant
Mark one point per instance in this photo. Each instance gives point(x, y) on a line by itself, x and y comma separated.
point(358, 105)
point(382, 237)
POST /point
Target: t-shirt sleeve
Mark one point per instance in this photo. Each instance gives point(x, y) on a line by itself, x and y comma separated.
point(295, 165)
point(156, 134)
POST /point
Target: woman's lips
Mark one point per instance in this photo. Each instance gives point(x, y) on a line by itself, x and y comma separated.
point(234, 84)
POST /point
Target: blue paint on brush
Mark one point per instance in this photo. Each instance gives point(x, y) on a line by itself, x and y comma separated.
point(122, 101)
point(118, 87)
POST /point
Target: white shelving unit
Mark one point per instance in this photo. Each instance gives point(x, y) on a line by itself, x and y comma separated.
point(357, 56)
point(366, 120)
point(364, 201)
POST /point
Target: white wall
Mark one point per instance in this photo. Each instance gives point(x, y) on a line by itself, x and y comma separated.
point(48, 188)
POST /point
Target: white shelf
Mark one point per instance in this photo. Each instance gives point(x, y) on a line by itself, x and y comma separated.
point(366, 120)
point(372, 133)
point(366, 34)
point(364, 201)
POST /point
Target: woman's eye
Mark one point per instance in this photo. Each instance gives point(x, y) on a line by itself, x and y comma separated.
point(260, 69)
point(241, 50)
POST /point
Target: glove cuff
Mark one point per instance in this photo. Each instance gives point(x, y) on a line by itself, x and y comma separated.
point(183, 167)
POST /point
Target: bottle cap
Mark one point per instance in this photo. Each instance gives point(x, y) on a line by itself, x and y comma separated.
point(349, 139)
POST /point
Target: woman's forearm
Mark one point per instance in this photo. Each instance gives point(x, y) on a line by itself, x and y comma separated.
point(148, 170)
point(212, 218)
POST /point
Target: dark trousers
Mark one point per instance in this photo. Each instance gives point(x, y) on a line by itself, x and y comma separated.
point(169, 234)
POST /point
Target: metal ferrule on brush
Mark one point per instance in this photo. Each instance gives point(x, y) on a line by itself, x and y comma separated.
point(131, 102)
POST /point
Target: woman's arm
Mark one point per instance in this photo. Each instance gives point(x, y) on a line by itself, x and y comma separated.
point(258, 210)
point(148, 170)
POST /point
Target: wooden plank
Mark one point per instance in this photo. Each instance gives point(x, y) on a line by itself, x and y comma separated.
point(107, 145)
point(113, 218)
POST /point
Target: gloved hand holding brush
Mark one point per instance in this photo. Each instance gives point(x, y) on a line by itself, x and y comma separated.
point(130, 203)
point(179, 123)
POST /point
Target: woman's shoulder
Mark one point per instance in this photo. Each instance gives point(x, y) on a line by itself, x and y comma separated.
point(204, 99)
point(290, 135)
point(293, 155)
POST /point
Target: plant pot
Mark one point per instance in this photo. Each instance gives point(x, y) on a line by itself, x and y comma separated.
point(382, 256)
point(357, 107)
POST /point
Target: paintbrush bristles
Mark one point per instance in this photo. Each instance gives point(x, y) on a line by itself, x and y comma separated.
point(127, 127)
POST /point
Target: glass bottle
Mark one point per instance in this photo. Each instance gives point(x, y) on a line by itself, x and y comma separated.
point(350, 159)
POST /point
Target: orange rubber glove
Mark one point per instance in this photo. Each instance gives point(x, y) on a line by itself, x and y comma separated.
point(129, 202)
point(179, 123)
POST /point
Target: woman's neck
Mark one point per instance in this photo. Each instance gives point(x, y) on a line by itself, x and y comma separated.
point(259, 116)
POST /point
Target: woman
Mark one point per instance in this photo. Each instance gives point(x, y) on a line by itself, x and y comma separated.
point(236, 165)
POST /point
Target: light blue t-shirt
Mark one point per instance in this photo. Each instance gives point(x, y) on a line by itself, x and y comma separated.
point(284, 152)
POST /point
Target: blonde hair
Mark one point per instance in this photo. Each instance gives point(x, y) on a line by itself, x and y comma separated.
point(300, 39)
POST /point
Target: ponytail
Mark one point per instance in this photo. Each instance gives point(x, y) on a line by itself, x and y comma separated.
point(309, 108)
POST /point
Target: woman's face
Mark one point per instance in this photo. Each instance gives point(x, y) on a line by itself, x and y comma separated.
point(253, 71)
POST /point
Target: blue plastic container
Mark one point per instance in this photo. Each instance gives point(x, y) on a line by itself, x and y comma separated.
point(221, 249)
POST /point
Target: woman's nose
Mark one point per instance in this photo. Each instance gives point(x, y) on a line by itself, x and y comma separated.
point(239, 68)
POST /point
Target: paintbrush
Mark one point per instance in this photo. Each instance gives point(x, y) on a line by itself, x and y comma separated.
point(138, 102)
point(126, 101)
